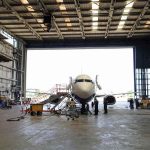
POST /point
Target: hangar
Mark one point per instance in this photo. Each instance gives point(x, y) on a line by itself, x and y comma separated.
point(36, 24)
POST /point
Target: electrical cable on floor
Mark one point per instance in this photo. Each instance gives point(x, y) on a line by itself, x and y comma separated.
point(17, 118)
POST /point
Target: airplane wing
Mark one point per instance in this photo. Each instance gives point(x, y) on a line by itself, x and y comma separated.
point(103, 95)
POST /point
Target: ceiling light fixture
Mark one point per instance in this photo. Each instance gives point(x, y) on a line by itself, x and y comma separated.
point(59, 1)
point(24, 1)
point(126, 11)
point(95, 10)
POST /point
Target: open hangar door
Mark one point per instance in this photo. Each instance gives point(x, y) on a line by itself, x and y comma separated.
point(114, 66)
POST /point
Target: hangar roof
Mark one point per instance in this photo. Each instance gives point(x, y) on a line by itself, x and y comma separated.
point(34, 20)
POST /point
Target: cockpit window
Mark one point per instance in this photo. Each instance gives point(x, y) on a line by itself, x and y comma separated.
point(83, 80)
point(79, 80)
point(87, 80)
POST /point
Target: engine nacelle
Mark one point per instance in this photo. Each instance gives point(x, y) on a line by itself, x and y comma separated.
point(110, 99)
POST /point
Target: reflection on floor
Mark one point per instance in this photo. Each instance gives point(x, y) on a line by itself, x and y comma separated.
point(120, 129)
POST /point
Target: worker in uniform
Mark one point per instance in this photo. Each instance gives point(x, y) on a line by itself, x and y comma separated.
point(136, 103)
point(92, 104)
point(88, 109)
point(96, 106)
point(105, 106)
point(131, 103)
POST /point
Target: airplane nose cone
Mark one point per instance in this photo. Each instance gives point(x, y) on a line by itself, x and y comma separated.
point(85, 90)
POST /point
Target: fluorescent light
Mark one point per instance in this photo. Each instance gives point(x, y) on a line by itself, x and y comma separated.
point(94, 27)
point(95, 23)
point(124, 17)
point(40, 20)
point(126, 11)
point(120, 27)
point(69, 24)
point(130, 4)
point(94, 6)
point(30, 8)
point(43, 25)
point(148, 22)
point(67, 20)
point(59, 1)
point(146, 26)
point(95, 9)
point(95, 12)
point(24, 1)
point(95, 18)
point(121, 22)
point(62, 7)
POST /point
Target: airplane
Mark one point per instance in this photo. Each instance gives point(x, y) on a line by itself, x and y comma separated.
point(83, 90)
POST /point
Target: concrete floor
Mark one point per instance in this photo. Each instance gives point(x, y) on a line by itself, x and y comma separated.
point(120, 129)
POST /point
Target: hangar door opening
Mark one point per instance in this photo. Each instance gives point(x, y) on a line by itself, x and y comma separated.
point(114, 67)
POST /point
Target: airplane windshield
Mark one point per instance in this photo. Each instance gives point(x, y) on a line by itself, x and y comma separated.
point(83, 80)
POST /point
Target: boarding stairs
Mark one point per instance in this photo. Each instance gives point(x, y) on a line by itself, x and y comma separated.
point(61, 103)
point(53, 96)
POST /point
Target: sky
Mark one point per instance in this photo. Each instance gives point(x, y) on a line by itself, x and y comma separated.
point(114, 67)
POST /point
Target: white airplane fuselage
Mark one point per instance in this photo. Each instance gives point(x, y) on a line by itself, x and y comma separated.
point(83, 88)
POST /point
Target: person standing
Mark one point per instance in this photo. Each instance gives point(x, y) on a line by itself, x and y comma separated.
point(136, 103)
point(96, 106)
point(92, 104)
point(105, 106)
point(131, 103)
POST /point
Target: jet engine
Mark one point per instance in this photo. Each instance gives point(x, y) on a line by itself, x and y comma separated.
point(110, 99)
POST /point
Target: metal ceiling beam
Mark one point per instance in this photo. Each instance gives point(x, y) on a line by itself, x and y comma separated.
point(111, 11)
point(45, 10)
point(6, 4)
point(74, 16)
point(9, 21)
point(57, 28)
point(72, 13)
point(77, 6)
point(137, 22)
